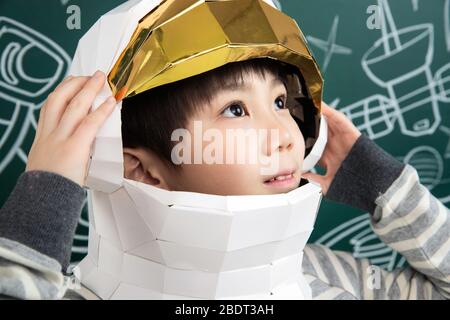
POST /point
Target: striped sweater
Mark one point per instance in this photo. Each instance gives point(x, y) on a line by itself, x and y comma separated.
point(403, 214)
point(412, 222)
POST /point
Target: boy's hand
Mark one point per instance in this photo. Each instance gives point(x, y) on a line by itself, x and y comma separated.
point(66, 129)
point(342, 135)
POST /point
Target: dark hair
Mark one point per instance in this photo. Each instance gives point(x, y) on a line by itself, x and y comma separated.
point(150, 117)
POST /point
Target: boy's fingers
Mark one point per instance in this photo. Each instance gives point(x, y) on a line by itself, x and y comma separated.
point(56, 103)
point(42, 109)
point(323, 181)
point(331, 126)
point(80, 105)
point(40, 124)
point(327, 110)
point(323, 162)
point(332, 118)
point(88, 128)
point(66, 79)
point(314, 177)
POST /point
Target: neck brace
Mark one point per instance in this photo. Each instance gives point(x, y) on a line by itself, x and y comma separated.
point(148, 243)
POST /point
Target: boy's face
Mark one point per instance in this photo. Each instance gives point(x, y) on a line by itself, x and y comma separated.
point(244, 142)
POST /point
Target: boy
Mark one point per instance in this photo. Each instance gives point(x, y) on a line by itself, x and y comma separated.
point(405, 215)
point(37, 228)
point(251, 95)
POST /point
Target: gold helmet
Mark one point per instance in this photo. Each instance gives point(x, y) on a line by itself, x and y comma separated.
point(181, 39)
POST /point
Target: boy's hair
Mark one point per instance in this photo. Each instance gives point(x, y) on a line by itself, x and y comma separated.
point(149, 118)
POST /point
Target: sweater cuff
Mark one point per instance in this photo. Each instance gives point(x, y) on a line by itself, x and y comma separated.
point(365, 174)
point(42, 213)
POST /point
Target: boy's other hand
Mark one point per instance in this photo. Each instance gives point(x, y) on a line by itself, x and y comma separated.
point(342, 135)
point(66, 128)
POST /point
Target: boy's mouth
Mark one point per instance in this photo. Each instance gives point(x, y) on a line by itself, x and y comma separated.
point(282, 179)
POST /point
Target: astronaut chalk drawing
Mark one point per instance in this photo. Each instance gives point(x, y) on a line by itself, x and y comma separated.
point(21, 92)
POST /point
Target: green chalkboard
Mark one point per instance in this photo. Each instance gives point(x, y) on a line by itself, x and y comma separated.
point(385, 63)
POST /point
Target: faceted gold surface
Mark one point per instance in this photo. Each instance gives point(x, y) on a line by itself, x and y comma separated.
point(183, 38)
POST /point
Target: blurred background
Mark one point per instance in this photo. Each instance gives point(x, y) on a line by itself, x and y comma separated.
point(386, 65)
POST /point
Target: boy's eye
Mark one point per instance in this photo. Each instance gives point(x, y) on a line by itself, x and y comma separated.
point(234, 110)
point(279, 103)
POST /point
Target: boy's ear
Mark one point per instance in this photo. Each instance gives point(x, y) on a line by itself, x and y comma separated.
point(145, 166)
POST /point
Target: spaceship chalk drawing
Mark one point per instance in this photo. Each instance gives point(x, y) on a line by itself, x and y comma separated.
point(413, 92)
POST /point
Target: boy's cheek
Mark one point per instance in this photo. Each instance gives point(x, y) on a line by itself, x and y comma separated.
point(221, 179)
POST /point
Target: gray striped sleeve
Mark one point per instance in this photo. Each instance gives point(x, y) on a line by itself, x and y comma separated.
point(28, 274)
point(42, 213)
point(410, 220)
point(414, 223)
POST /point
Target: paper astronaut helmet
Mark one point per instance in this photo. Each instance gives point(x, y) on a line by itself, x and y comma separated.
point(149, 243)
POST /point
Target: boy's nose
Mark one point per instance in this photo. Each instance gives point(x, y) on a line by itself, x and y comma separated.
point(279, 138)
